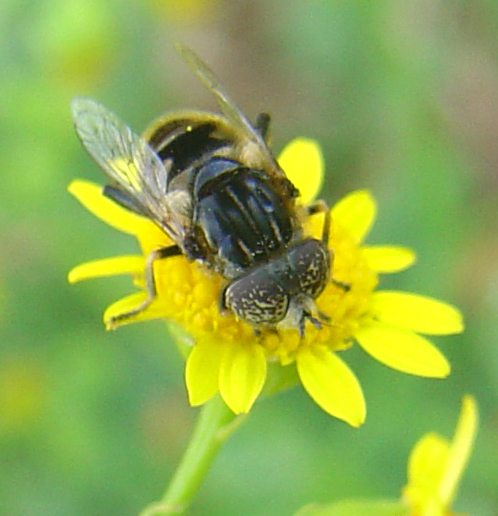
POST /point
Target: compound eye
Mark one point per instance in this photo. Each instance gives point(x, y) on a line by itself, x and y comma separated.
point(257, 298)
point(311, 263)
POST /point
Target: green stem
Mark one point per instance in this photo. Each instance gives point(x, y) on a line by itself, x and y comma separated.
point(215, 424)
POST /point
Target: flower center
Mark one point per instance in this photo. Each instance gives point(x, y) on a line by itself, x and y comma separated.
point(188, 293)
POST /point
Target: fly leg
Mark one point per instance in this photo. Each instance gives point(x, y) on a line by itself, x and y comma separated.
point(344, 286)
point(322, 207)
point(316, 322)
point(263, 126)
point(150, 283)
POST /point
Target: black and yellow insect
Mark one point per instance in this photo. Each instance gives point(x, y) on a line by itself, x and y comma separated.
point(212, 185)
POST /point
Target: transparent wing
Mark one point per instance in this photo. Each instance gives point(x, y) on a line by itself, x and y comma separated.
point(227, 106)
point(126, 159)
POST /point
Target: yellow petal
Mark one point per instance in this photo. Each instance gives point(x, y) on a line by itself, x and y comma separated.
point(460, 450)
point(107, 267)
point(385, 259)
point(302, 162)
point(426, 465)
point(416, 313)
point(92, 198)
point(202, 372)
point(356, 212)
point(402, 350)
point(242, 375)
point(331, 384)
point(127, 304)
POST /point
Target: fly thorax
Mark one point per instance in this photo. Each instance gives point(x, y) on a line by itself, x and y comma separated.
point(244, 218)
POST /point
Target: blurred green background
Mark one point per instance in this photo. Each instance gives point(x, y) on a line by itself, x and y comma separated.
point(403, 96)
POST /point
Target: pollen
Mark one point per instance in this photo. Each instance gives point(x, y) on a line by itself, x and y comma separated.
point(205, 293)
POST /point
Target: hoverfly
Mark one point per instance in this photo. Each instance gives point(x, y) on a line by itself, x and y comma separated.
point(212, 185)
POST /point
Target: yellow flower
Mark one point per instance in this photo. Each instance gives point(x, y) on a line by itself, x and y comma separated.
point(434, 471)
point(226, 357)
point(437, 464)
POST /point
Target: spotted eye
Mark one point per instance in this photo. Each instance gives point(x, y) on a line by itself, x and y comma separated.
point(258, 298)
point(310, 263)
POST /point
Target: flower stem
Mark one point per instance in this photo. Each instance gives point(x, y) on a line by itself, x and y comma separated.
point(215, 424)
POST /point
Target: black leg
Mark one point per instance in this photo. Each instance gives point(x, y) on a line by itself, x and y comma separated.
point(221, 300)
point(345, 286)
point(263, 125)
point(321, 207)
point(300, 326)
point(150, 282)
point(316, 322)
